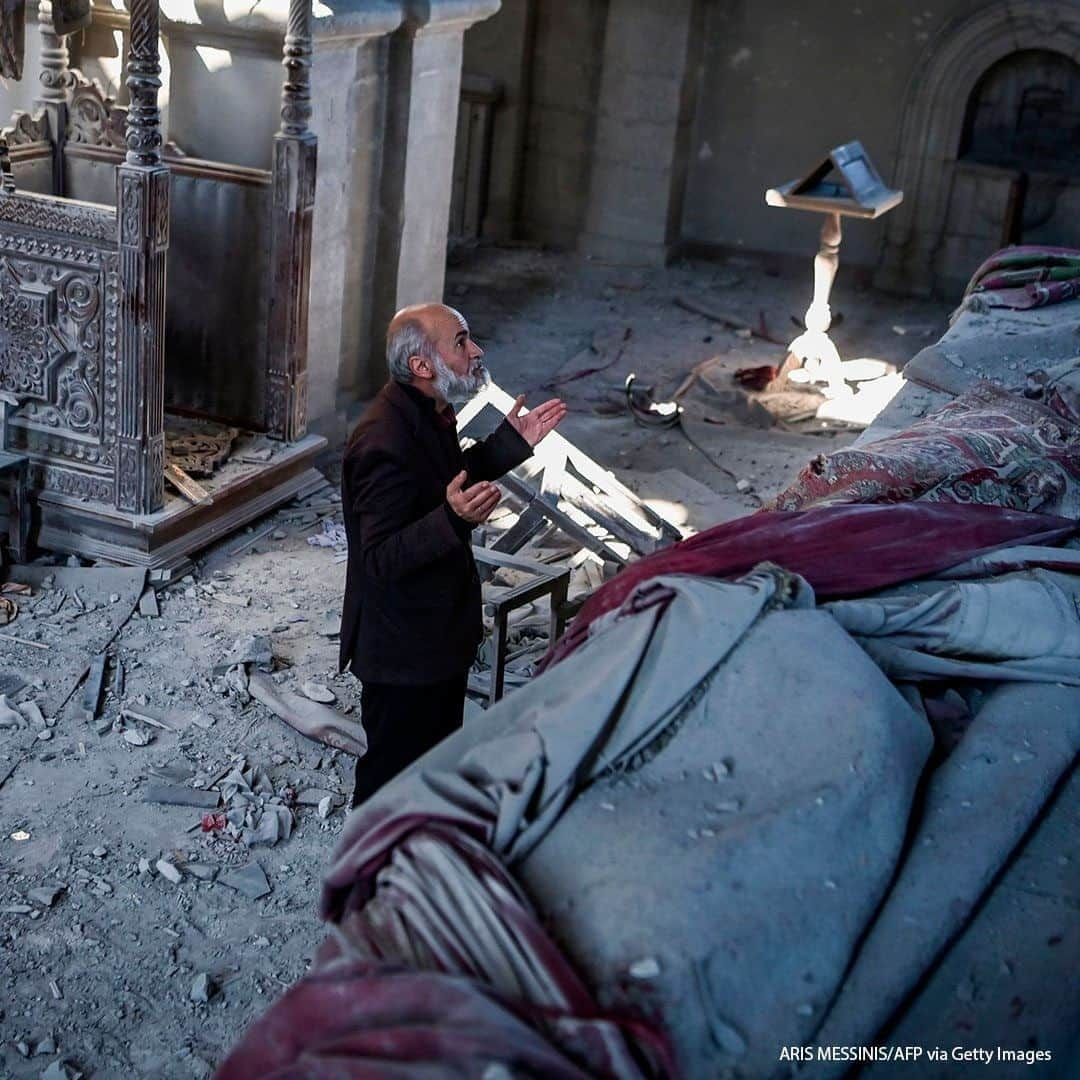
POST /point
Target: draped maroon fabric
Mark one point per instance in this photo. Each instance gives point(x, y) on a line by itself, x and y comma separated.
point(841, 550)
point(358, 1020)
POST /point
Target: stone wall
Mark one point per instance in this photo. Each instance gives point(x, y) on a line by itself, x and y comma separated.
point(653, 127)
point(566, 67)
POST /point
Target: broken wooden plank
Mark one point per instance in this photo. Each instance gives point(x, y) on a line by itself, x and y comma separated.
point(91, 699)
point(23, 641)
point(191, 490)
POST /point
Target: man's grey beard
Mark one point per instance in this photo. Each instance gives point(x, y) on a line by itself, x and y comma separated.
point(452, 387)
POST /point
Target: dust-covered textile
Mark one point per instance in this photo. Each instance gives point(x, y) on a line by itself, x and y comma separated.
point(1023, 627)
point(987, 447)
point(841, 550)
point(1025, 276)
point(658, 705)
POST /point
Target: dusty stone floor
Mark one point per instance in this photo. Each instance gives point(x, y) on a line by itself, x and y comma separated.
point(102, 978)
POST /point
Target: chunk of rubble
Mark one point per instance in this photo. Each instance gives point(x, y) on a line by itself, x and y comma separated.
point(168, 871)
point(248, 649)
point(203, 988)
point(46, 895)
point(249, 881)
point(314, 691)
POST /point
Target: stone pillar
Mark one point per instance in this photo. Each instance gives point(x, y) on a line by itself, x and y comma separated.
point(646, 108)
point(142, 204)
point(349, 76)
point(503, 50)
point(418, 162)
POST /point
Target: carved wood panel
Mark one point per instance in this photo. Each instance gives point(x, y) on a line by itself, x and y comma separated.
point(58, 339)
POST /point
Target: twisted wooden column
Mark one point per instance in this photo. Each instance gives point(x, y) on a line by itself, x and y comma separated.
point(290, 237)
point(142, 200)
point(57, 80)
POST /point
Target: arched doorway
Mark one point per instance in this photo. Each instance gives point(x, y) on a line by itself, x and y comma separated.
point(997, 85)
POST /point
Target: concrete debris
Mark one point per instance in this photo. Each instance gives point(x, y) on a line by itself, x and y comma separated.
point(60, 1070)
point(46, 1046)
point(203, 720)
point(646, 968)
point(9, 718)
point(180, 795)
point(168, 871)
point(314, 796)
point(16, 909)
point(138, 737)
point(249, 881)
point(325, 807)
point(317, 692)
point(144, 866)
point(202, 871)
point(248, 649)
point(45, 735)
point(46, 895)
point(100, 852)
point(148, 605)
point(203, 988)
point(91, 699)
point(23, 1048)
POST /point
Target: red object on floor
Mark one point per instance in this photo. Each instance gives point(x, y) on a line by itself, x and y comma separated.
point(841, 550)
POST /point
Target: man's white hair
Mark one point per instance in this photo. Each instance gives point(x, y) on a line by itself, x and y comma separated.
point(409, 339)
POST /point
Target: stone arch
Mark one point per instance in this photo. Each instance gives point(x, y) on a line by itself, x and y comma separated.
point(936, 103)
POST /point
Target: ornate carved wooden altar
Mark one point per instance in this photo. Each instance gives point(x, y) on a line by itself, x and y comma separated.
point(95, 216)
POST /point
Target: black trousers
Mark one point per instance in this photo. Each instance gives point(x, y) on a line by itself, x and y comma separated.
point(402, 723)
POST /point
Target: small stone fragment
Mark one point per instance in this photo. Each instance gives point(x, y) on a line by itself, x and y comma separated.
point(46, 895)
point(203, 988)
point(202, 871)
point(168, 871)
point(144, 866)
point(248, 880)
point(100, 852)
point(46, 1046)
point(325, 807)
point(203, 720)
point(317, 692)
point(646, 968)
point(45, 734)
point(60, 1070)
point(137, 737)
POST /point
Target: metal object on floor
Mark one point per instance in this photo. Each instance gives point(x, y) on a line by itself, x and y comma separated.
point(550, 581)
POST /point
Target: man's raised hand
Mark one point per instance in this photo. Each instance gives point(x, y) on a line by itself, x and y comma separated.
point(535, 425)
point(473, 503)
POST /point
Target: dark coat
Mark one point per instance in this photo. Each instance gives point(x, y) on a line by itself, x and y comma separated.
point(412, 611)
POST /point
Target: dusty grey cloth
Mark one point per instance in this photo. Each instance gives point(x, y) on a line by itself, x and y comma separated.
point(1022, 627)
point(978, 806)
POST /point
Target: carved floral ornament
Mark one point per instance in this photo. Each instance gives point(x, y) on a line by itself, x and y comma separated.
point(51, 351)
